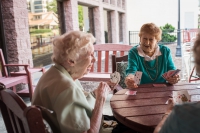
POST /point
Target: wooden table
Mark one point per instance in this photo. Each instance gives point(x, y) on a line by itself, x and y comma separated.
point(143, 111)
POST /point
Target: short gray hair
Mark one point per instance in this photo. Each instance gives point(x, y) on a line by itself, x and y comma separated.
point(152, 29)
point(71, 45)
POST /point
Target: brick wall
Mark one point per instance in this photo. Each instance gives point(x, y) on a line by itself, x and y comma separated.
point(15, 19)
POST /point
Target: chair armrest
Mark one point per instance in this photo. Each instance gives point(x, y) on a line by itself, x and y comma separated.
point(25, 65)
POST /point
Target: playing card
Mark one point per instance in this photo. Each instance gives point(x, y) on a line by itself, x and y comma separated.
point(159, 85)
point(164, 75)
point(137, 77)
point(175, 72)
point(130, 92)
point(170, 73)
point(181, 97)
point(115, 77)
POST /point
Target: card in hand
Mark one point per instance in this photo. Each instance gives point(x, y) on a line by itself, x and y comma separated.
point(130, 92)
point(175, 72)
point(115, 77)
point(137, 77)
point(165, 76)
point(170, 73)
point(181, 96)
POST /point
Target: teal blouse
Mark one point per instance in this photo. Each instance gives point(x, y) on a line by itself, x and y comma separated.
point(152, 70)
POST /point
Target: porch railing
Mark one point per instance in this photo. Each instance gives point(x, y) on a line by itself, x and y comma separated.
point(186, 36)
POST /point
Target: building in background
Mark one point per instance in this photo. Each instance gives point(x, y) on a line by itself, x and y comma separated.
point(43, 20)
point(36, 6)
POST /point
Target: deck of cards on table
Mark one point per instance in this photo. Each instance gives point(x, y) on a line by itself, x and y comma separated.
point(131, 92)
point(170, 73)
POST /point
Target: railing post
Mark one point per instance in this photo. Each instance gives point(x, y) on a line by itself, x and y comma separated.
point(178, 47)
point(129, 38)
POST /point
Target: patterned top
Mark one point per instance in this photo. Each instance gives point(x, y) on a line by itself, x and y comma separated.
point(153, 69)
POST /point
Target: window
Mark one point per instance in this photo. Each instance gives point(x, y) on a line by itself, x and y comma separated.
point(37, 2)
point(38, 7)
point(38, 17)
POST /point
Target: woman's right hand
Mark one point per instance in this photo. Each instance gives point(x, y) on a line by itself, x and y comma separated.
point(102, 91)
point(129, 81)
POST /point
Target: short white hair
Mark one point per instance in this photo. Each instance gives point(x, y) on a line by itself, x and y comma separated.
point(71, 46)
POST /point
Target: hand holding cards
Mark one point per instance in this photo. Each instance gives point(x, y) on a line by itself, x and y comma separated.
point(170, 73)
point(181, 96)
point(133, 80)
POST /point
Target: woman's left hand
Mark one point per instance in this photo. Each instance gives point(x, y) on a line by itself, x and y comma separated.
point(174, 79)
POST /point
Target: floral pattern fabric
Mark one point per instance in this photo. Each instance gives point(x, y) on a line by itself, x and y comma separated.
point(121, 68)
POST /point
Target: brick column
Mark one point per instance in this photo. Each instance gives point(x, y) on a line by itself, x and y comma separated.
point(71, 15)
point(17, 38)
point(109, 27)
point(124, 29)
point(91, 20)
point(115, 26)
point(99, 24)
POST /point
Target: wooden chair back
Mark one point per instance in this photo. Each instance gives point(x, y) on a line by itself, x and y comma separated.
point(193, 75)
point(3, 69)
point(103, 52)
point(118, 59)
point(19, 118)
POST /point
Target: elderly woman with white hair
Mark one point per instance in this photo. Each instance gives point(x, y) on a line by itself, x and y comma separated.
point(74, 110)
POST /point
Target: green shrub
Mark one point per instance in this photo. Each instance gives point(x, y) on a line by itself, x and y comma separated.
point(38, 31)
point(166, 36)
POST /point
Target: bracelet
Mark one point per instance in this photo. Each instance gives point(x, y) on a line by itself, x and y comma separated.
point(165, 115)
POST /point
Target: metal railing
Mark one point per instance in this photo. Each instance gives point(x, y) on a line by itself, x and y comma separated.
point(186, 36)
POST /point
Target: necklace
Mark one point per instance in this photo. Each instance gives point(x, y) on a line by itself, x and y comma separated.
point(151, 68)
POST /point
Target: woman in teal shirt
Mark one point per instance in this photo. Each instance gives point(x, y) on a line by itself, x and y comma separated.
point(151, 59)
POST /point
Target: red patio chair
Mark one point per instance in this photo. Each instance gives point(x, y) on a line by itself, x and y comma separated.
point(11, 80)
point(194, 76)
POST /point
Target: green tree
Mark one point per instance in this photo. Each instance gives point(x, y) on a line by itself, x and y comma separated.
point(52, 6)
point(166, 36)
point(80, 17)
